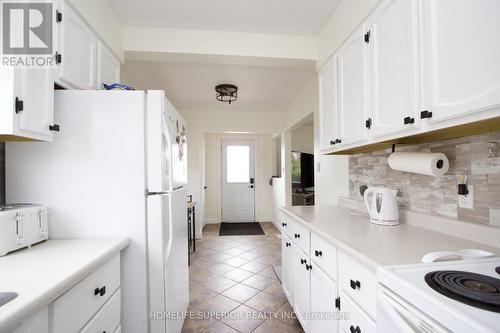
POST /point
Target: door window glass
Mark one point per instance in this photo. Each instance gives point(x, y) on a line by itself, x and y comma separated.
point(238, 164)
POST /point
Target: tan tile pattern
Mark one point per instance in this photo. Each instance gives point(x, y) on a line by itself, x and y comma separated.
point(233, 287)
point(476, 156)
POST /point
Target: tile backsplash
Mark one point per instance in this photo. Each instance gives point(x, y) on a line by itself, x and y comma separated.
point(477, 156)
point(2, 172)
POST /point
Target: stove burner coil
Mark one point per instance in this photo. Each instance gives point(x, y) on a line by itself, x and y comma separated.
point(480, 291)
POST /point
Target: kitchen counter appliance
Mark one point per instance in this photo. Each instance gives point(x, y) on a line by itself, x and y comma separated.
point(22, 225)
point(459, 296)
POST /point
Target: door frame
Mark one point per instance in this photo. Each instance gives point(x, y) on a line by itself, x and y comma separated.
point(221, 199)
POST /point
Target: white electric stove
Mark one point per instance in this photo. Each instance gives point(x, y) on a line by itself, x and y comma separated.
point(453, 296)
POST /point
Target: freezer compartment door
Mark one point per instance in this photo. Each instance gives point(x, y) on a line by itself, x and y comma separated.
point(168, 261)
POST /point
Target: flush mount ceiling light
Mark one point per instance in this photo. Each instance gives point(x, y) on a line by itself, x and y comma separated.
point(226, 93)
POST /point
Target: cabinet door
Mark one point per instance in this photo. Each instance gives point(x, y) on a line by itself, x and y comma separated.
point(328, 112)
point(394, 68)
point(286, 268)
point(77, 47)
point(36, 90)
point(108, 66)
point(461, 56)
point(352, 80)
point(301, 288)
point(324, 294)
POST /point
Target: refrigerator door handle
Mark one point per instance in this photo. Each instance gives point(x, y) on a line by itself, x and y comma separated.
point(148, 193)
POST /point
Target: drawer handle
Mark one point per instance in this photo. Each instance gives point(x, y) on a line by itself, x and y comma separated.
point(355, 284)
point(100, 291)
point(296, 235)
point(318, 253)
point(283, 224)
point(309, 267)
point(288, 244)
point(337, 303)
point(355, 329)
point(303, 261)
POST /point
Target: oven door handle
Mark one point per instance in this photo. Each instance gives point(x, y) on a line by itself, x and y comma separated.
point(406, 319)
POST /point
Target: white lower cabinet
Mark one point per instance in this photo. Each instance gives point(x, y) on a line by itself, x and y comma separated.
point(358, 321)
point(324, 299)
point(302, 287)
point(38, 323)
point(108, 318)
point(329, 291)
point(287, 256)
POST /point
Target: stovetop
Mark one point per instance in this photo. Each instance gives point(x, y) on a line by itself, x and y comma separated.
point(457, 294)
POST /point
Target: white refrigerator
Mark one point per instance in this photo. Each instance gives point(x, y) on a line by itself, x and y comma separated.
point(117, 168)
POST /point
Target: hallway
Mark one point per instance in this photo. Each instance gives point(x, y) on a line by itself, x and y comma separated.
point(233, 287)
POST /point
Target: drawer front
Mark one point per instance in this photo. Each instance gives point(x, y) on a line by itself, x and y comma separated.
point(73, 310)
point(359, 283)
point(357, 321)
point(285, 224)
point(324, 255)
point(108, 318)
point(301, 236)
point(38, 323)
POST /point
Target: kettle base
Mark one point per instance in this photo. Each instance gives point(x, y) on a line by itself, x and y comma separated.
point(384, 222)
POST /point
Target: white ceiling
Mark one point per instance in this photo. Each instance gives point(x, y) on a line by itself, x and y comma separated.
point(297, 17)
point(190, 85)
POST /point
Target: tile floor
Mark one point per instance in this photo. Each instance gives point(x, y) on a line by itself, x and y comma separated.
point(233, 287)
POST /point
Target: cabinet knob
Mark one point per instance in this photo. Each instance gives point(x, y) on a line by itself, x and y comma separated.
point(318, 253)
point(296, 235)
point(309, 267)
point(283, 224)
point(100, 291)
point(19, 105)
point(288, 244)
point(337, 303)
point(303, 261)
point(368, 123)
point(338, 141)
point(55, 128)
point(425, 114)
point(332, 142)
point(408, 120)
point(355, 284)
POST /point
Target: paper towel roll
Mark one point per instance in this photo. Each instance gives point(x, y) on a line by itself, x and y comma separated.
point(432, 164)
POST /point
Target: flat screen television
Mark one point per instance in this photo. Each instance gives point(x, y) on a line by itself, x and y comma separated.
point(302, 170)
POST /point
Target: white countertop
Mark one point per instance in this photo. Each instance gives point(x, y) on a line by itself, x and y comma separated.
point(44, 272)
point(373, 245)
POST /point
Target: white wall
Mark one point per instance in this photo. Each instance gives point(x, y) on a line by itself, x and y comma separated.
point(303, 139)
point(103, 19)
point(263, 172)
point(201, 122)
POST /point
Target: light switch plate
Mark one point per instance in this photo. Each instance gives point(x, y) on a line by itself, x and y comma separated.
point(467, 201)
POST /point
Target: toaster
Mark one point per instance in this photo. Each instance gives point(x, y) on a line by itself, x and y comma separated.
point(22, 225)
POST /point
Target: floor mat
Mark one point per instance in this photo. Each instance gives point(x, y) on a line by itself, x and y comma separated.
point(240, 229)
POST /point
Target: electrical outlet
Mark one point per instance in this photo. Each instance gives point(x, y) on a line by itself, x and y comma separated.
point(467, 201)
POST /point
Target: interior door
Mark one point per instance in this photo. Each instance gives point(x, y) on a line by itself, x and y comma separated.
point(238, 181)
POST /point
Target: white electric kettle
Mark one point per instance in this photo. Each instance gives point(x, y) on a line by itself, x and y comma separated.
point(383, 207)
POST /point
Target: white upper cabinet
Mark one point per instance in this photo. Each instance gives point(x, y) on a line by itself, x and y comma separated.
point(27, 103)
point(392, 41)
point(36, 90)
point(352, 89)
point(328, 113)
point(108, 66)
point(77, 50)
point(461, 52)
